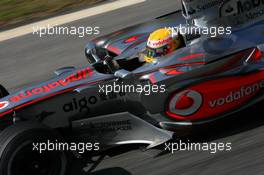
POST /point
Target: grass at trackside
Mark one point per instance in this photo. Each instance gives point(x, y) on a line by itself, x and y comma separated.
point(15, 12)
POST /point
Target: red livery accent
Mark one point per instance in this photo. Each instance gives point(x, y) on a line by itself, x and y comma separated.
point(1, 105)
point(114, 49)
point(152, 78)
point(6, 112)
point(174, 72)
point(46, 97)
point(191, 56)
point(4, 104)
point(257, 55)
point(184, 64)
point(80, 75)
point(184, 102)
point(222, 95)
point(131, 39)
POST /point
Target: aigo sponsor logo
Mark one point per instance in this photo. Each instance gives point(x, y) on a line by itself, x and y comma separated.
point(185, 103)
point(3, 104)
point(84, 104)
point(79, 75)
point(80, 105)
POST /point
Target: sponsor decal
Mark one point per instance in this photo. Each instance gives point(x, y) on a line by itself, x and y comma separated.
point(245, 6)
point(194, 7)
point(113, 49)
point(219, 96)
point(3, 104)
point(79, 75)
point(208, 5)
point(131, 39)
point(234, 96)
point(230, 10)
point(185, 103)
point(111, 95)
point(81, 105)
point(159, 43)
point(243, 10)
point(43, 115)
point(122, 125)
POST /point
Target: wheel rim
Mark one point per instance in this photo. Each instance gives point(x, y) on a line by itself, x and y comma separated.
point(25, 161)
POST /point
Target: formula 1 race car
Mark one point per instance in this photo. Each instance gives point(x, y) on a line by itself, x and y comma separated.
point(117, 99)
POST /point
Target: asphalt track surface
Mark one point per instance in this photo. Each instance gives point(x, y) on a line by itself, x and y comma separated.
point(29, 59)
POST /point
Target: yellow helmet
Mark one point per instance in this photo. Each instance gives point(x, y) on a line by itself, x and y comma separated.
point(160, 43)
point(159, 38)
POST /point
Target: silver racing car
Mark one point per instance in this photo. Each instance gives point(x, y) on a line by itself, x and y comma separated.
point(120, 98)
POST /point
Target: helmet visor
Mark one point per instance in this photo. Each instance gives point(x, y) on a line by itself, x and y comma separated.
point(156, 52)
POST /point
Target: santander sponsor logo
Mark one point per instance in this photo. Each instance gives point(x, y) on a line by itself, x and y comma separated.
point(3, 104)
point(80, 75)
point(234, 96)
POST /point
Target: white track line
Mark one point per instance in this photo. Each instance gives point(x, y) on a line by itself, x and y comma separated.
point(63, 19)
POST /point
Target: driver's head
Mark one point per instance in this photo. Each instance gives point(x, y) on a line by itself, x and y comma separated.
point(160, 43)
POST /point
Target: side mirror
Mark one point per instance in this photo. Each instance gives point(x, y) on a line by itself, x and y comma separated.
point(64, 70)
point(123, 74)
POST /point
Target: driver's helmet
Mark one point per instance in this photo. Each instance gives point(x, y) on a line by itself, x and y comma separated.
point(160, 43)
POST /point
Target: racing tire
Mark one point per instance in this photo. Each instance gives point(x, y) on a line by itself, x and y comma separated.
point(3, 91)
point(17, 155)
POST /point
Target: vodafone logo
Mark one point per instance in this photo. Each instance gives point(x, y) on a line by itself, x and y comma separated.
point(159, 43)
point(3, 104)
point(75, 77)
point(185, 103)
